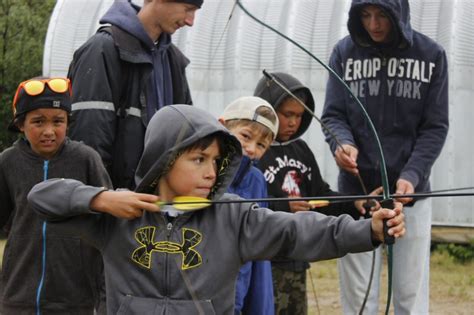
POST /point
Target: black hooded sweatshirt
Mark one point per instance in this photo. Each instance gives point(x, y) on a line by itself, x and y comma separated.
point(290, 168)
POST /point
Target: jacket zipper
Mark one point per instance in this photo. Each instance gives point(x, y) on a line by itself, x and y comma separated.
point(43, 258)
point(169, 228)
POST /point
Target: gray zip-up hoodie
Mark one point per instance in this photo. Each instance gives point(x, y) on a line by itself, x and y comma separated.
point(46, 269)
point(189, 264)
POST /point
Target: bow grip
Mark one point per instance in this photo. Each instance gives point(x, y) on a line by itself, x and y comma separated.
point(388, 239)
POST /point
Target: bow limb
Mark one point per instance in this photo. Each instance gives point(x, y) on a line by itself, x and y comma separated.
point(386, 190)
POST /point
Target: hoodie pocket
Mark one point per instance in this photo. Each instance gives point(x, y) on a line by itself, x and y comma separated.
point(21, 269)
point(132, 305)
point(70, 274)
point(66, 282)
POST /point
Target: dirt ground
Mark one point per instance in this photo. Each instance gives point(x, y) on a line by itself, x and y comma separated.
point(451, 287)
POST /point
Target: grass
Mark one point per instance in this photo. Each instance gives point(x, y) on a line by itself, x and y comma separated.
point(451, 287)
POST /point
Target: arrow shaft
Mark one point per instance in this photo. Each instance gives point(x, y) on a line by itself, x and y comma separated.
point(328, 198)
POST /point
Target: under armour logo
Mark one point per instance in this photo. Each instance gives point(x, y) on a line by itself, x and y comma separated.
point(145, 236)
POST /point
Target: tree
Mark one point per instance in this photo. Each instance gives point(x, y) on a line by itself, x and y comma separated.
point(23, 27)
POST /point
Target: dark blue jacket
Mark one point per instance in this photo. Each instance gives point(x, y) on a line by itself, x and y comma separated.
point(119, 79)
point(403, 87)
point(254, 287)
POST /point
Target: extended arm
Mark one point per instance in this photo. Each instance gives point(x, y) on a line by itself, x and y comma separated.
point(312, 236)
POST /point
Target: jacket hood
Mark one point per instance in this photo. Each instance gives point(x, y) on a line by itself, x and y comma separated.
point(275, 95)
point(399, 12)
point(174, 128)
point(123, 14)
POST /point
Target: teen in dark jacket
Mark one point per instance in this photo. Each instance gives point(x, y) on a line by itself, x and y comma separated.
point(123, 74)
point(401, 78)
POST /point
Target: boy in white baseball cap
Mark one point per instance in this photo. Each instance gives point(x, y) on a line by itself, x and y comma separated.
point(255, 123)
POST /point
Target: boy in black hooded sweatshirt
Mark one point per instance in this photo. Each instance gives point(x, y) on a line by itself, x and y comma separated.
point(291, 170)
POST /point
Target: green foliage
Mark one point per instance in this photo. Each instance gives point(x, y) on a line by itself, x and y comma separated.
point(460, 253)
point(23, 27)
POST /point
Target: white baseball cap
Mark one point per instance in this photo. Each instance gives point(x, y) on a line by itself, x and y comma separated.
point(246, 108)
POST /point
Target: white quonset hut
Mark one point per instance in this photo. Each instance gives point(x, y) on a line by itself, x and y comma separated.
point(227, 59)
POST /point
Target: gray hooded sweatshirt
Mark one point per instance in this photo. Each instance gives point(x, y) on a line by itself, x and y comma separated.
point(189, 264)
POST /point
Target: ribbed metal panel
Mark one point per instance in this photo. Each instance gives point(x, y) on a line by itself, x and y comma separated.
point(72, 22)
point(464, 49)
point(227, 63)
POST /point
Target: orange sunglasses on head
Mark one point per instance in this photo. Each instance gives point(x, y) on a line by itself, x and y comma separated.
point(35, 87)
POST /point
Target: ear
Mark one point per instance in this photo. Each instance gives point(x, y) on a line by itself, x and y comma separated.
point(222, 121)
point(21, 125)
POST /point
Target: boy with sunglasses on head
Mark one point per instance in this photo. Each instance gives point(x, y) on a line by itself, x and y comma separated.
point(172, 261)
point(255, 124)
point(45, 271)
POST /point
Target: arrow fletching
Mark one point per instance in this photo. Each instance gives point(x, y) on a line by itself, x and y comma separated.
point(187, 203)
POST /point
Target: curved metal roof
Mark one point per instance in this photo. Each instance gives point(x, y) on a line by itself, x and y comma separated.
point(228, 57)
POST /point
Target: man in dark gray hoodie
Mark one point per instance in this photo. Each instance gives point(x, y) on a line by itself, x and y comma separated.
point(123, 74)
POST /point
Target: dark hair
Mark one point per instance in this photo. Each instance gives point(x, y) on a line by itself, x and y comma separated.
point(205, 142)
point(202, 143)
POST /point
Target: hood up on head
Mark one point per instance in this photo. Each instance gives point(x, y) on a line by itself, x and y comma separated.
point(174, 128)
point(275, 95)
point(399, 12)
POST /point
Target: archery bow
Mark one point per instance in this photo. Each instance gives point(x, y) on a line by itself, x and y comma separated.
point(384, 177)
